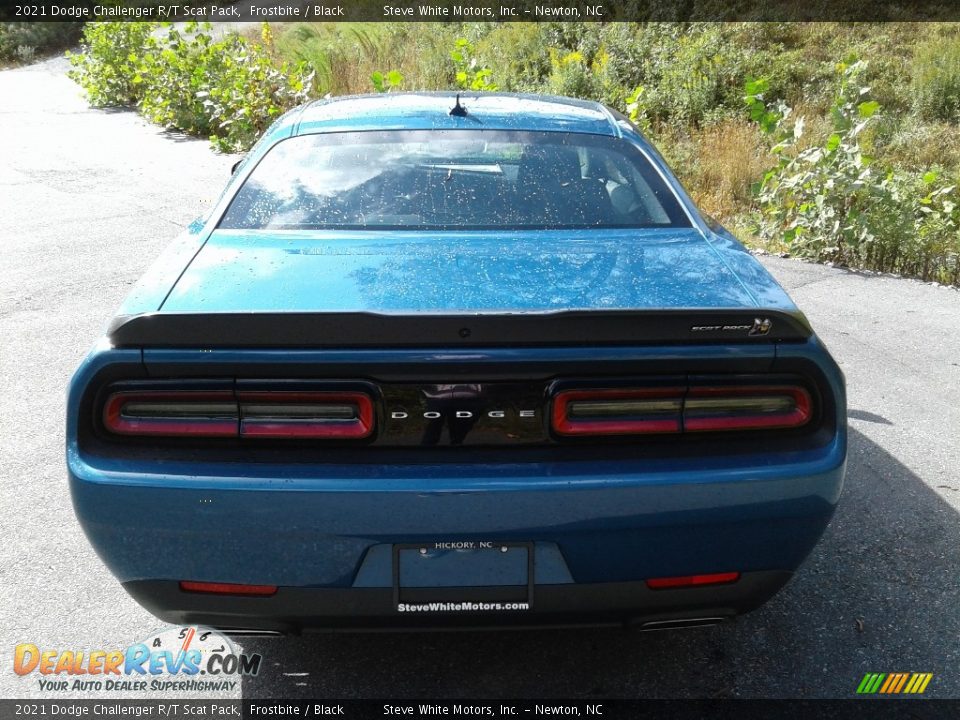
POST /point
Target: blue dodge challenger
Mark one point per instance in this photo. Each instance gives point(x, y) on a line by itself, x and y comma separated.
point(437, 360)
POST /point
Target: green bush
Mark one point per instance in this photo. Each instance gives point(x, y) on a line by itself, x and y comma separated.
point(686, 77)
point(228, 90)
point(469, 73)
point(23, 41)
point(107, 67)
point(936, 79)
point(332, 49)
point(833, 202)
point(519, 53)
point(924, 216)
point(822, 200)
point(246, 93)
point(573, 76)
point(171, 75)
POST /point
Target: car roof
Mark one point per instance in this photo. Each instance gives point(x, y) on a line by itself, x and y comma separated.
point(431, 110)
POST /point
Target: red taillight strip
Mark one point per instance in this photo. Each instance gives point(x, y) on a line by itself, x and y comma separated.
point(711, 414)
point(800, 414)
point(116, 422)
point(355, 428)
point(182, 413)
point(683, 581)
point(565, 425)
point(227, 588)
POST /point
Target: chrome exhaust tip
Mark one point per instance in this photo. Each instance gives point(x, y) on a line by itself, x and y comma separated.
point(682, 623)
point(250, 633)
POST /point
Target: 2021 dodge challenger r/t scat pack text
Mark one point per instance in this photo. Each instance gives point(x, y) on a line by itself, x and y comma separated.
point(436, 360)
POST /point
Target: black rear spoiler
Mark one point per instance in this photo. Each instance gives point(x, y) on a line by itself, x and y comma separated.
point(373, 330)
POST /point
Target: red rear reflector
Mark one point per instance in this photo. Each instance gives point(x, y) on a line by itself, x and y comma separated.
point(693, 580)
point(322, 414)
point(207, 413)
point(227, 588)
point(617, 412)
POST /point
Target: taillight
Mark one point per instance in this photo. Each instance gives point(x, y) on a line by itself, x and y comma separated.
point(606, 411)
point(321, 414)
point(745, 408)
point(172, 413)
point(617, 412)
point(343, 415)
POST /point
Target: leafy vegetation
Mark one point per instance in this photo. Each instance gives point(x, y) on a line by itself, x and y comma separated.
point(229, 90)
point(108, 68)
point(345, 56)
point(822, 200)
point(834, 202)
point(24, 42)
point(468, 73)
point(856, 166)
point(385, 82)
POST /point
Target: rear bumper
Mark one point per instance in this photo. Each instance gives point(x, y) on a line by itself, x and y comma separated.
point(598, 533)
point(293, 610)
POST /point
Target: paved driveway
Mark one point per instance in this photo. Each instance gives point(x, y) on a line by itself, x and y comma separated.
point(88, 198)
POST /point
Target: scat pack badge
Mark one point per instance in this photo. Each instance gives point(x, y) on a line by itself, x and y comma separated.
point(760, 327)
point(192, 659)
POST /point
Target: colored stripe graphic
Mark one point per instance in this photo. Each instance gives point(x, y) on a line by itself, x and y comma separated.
point(894, 683)
point(870, 683)
point(903, 680)
point(891, 682)
point(918, 683)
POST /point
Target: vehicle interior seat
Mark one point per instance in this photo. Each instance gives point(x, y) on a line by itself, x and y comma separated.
point(551, 190)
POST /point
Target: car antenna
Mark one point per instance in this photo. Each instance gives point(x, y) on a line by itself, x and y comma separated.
point(458, 110)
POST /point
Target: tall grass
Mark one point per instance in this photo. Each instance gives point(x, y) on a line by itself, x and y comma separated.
point(345, 55)
point(935, 79)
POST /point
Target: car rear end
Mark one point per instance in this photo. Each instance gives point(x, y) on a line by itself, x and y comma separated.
point(506, 377)
point(294, 489)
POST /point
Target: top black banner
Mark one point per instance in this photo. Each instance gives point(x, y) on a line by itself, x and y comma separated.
point(479, 10)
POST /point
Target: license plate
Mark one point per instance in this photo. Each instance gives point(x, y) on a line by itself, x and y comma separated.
point(440, 575)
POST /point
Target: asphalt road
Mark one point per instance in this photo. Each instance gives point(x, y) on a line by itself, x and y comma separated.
point(88, 198)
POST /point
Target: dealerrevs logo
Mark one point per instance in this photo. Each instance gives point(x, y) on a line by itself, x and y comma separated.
point(193, 659)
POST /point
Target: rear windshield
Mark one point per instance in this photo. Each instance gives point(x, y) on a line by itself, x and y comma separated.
point(439, 179)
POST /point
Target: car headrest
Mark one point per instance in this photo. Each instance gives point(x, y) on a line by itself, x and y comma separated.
point(548, 166)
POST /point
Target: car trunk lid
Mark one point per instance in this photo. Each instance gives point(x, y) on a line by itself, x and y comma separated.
point(399, 288)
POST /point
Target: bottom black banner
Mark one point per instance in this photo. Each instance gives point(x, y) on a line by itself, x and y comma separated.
point(872, 709)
